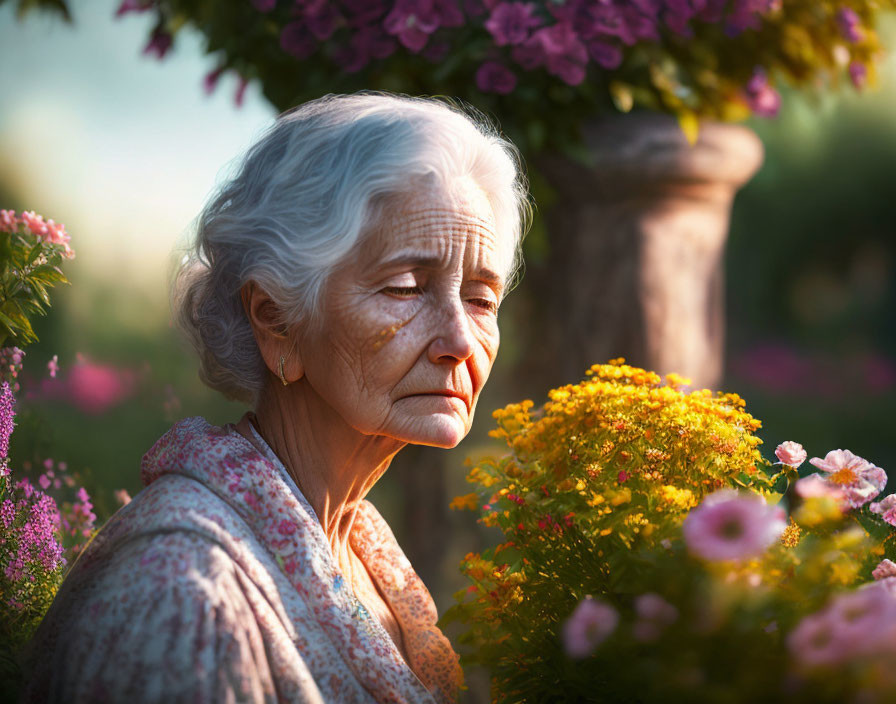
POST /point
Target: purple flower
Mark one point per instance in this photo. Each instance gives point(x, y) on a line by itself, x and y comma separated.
point(413, 21)
point(493, 77)
point(211, 80)
point(729, 525)
point(563, 53)
point(362, 13)
point(858, 74)
point(511, 22)
point(605, 55)
point(763, 100)
point(859, 480)
point(885, 570)
point(7, 418)
point(133, 6)
point(159, 43)
point(588, 626)
point(367, 43)
point(850, 25)
point(297, 39)
point(322, 19)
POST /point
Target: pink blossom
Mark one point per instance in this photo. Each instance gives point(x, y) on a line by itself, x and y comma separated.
point(653, 614)
point(728, 525)
point(860, 480)
point(493, 77)
point(589, 625)
point(563, 53)
point(852, 626)
point(240, 91)
point(762, 99)
point(623, 477)
point(7, 418)
point(858, 74)
point(133, 6)
point(885, 570)
point(211, 80)
point(413, 21)
point(791, 453)
point(53, 366)
point(886, 509)
point(8, 221)
point(511, 22)
point(35, 223)
point(816, 487)
point(605, 55)
point(95, 388)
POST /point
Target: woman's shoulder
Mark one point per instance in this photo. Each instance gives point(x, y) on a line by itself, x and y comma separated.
point(166, 616)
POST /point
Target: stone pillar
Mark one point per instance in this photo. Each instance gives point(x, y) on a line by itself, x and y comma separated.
point(637, 240)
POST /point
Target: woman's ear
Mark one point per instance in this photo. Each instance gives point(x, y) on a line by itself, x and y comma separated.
point(273, 341)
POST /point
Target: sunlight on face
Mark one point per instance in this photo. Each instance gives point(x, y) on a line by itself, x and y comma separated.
point(410, 326)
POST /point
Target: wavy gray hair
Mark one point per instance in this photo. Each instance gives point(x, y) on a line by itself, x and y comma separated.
point(304, 195)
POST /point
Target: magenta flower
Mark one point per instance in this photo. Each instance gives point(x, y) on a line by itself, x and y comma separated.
point(512, 22)
point(859, 480)
point(850, 25)
point(133, 6)
point(605, 55)
point(7, 418)
point(159, 44)
point(886, 509)
point(413, 21)
point(562, 51)
point(790, 453)
point(588, 626)
point(729, 525)
point(853, 626)
point(493, 77)
point(653, 615)
point(762, 99)
point(211, 80)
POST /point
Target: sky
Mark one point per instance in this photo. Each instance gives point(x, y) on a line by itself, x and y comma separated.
point(122, 148)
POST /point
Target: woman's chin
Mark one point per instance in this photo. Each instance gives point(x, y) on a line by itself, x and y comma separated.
point(444, 430)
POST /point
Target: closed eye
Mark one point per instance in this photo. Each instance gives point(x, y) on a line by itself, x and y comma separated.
point(485, 303)
point(405, 291)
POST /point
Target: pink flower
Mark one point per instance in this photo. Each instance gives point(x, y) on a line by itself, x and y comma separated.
point(858, 74)
point(763, 100)
point(561, 51)
point(816, 487)
point(588, 626)
point(853, 626)
point(159, 43)
point(886, 509)
point(605, 55)
point(493, 77)
point(511, 22)
point(790, 453)
point(729, 525)
point(95, 388)
point(623, 477)
point(8, 221)
point(35, 223)
point(53, 366)
point(859, 480)
point(885, 570)
point(653, 614)
point(211, 80)
point(413, 21)
point(133, 6)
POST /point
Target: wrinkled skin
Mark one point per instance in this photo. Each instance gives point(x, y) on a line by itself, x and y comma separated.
point(407, 339)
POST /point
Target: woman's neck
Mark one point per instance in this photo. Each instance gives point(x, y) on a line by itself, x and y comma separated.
point(333, 465)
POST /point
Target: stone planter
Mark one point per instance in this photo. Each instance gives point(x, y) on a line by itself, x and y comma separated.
point(636, 246)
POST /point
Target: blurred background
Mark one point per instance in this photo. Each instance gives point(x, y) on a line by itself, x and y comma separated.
point(124, 150)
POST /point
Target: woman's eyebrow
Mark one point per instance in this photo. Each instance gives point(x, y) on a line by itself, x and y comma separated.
point(425, 261)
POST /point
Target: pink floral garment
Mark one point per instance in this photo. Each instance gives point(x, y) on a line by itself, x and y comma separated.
point(217, 584)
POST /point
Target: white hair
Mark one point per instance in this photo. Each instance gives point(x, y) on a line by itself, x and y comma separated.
point(302, 198)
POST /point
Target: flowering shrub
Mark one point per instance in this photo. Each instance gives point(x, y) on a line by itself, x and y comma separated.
point(651, 554)
point(692, 58)
point(31, 251)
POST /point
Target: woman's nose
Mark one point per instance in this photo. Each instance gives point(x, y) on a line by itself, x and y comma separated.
point(454, 339)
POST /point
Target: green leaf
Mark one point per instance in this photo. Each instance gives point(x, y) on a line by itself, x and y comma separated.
point(34, 253)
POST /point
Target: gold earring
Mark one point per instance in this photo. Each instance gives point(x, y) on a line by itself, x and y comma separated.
point(280, 371)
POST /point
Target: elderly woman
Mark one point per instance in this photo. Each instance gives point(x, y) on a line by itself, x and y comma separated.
point(346, 284)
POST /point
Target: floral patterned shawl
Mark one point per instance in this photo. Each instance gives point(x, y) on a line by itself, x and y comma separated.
point(217, 584)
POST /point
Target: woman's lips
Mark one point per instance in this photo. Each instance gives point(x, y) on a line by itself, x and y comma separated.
point(444, 393)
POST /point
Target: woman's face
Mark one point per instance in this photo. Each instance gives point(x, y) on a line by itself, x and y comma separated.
point(410, 330)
